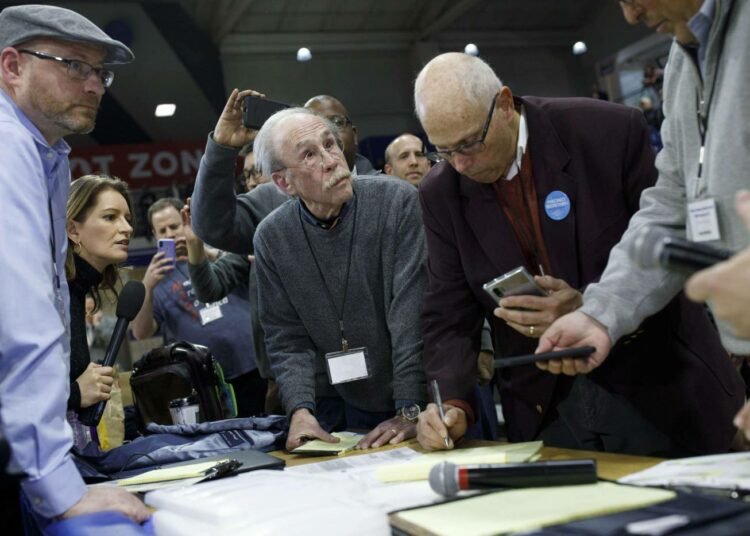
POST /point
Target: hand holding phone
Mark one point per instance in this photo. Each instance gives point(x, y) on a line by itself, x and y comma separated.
point(229, 130)
point(531, 314)
point(517, 282)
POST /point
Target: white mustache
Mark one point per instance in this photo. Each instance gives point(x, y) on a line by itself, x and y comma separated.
point(337, 177)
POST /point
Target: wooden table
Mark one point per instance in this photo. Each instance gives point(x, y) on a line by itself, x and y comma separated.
point(609, 466)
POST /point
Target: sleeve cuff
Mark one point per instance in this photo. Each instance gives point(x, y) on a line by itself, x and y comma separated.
point(466, 407)
point(55, 493)
point(303, 405)
point(218, 146)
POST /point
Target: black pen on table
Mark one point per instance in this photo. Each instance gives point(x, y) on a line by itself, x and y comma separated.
point(439, 403)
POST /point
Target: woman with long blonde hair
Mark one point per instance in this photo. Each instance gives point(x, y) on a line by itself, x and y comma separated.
point(99, 226)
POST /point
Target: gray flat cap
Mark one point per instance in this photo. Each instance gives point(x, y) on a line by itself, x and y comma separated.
point(19, 24)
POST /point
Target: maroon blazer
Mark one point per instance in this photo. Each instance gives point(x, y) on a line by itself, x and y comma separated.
point(673, 368)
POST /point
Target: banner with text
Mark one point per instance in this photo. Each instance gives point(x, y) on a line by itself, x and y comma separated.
point(143, 165)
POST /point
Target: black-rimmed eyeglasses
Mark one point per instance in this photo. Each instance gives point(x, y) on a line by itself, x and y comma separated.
point(78, 69)
point(468, 148)
point(340, 121)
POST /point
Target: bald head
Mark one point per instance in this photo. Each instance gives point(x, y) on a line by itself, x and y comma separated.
point(405, 159)
point(332, 109)
point(461, 102)
point(454, 88)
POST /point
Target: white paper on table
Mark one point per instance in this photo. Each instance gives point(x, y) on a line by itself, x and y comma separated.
point(726, 471)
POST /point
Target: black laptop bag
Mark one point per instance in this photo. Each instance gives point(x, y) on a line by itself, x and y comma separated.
point(175, 371)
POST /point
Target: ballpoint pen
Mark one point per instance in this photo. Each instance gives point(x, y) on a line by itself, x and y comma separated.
point(439, 403)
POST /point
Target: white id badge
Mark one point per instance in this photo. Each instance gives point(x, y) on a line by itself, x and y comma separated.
point(703, 221)
point(209, 314)
point(347, 366)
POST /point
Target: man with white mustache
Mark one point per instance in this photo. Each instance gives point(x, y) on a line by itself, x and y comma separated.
point(341, 274)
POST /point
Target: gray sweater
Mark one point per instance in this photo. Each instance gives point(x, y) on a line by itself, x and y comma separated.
point(386, 284)
point(626, 294)
point(220, 218)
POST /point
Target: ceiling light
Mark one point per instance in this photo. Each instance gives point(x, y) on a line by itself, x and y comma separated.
point(304, 54)
point(579, 48)
point(471, 49)
point(165, 110)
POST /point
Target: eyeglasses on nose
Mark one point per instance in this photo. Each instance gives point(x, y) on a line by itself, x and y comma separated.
point(78, 69)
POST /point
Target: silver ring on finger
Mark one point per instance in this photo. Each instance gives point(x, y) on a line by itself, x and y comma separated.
point(532, 329)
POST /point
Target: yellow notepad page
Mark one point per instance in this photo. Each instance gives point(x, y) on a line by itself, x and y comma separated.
point(316, 446)
point(170, 473)
point(525, 509)
point(419, 469)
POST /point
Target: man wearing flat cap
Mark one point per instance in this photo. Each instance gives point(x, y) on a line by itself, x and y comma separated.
point(52, 78)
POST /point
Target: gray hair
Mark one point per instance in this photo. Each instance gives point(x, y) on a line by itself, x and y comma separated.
point(266, 146)
point(455, 74)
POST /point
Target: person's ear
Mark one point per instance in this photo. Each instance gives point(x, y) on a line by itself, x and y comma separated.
point(72, 230)
point(10, 65)
point(388, 169)
point(504, 103)
point(356, 139)
point(282, 182)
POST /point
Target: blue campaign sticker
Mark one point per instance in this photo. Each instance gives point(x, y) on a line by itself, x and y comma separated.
point(557, 205)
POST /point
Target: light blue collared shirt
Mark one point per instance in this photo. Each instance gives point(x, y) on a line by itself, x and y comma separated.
point(34, 312)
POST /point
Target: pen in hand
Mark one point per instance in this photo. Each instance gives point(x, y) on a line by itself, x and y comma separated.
point(439, 403)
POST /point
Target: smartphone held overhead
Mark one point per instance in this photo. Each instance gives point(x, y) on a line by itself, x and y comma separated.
point(257, 110)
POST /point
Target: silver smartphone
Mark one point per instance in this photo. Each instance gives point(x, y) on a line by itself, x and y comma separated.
point(517, 282)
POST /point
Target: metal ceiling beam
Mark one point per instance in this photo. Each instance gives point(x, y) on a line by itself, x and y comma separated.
point(448, 18)
point(228, 23)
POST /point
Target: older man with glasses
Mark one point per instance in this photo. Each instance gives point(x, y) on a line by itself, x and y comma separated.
point(550, 184)
point(341, 275)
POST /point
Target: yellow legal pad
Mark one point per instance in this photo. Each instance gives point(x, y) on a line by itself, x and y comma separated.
point(419, 468)
point(524, 509)
point(179, 472)
point(318, 447)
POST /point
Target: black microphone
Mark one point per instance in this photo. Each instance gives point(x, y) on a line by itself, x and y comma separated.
point(448, 479)
point(654, 247)
point(128, 304)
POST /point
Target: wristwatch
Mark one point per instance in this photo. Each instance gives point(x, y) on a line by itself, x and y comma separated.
point(409, 413)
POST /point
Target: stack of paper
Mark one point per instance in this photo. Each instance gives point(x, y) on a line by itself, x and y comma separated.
point(419, 469)
point(266, 503)
point(725, 471)
point(524, 509)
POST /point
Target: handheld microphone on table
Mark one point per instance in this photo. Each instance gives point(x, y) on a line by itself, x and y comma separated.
point(448, 479)
point(654, 247)
point(128, 304)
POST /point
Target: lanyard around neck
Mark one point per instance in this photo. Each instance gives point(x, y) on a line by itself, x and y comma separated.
point(339, 311)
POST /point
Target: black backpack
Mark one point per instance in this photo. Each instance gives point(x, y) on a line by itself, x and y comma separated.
point(179, 370)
